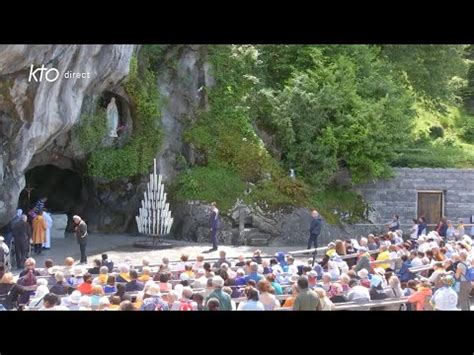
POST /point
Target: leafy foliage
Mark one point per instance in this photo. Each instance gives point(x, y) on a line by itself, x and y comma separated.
point(431, 69)
point(346, 110)
point(136, 156)
point(91, 130)
point(340, 204)
point(210, 184)
point(363, 107)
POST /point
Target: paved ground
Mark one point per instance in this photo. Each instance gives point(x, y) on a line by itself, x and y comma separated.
point(119, 246)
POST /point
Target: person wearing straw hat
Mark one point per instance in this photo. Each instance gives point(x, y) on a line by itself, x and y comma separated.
point(36, 301)
point(445, 298)
point(77, 276)
point(152, 300)
point(72, 301)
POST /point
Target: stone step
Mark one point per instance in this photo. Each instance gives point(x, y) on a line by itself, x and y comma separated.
point(257, 242)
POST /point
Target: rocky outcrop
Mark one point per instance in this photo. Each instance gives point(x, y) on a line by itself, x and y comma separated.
point(287, 227)
point(184, 77)
point(35, 112)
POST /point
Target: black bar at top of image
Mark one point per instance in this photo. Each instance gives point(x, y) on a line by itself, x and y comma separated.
point(319, 29)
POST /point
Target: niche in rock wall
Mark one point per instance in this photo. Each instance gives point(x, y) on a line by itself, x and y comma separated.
point(125, 122)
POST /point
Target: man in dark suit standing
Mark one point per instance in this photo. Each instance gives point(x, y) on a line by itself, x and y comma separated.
point(213, 225)
point(81, 235)
point(314, 229)
point(21, 235)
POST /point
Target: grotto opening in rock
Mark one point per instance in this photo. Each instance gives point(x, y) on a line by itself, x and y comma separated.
point(62, 187)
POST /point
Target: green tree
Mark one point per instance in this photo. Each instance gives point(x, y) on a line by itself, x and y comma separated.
point(347, 110)
point(430, 69)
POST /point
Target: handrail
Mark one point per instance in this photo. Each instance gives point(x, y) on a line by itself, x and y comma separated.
point(376, 303)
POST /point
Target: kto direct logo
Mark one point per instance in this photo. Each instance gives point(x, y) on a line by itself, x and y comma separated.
point(52, 74)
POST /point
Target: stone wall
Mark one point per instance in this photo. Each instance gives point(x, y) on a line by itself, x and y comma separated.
point(399, 194)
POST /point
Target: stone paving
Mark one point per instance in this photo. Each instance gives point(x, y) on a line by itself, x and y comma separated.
point(120, 246)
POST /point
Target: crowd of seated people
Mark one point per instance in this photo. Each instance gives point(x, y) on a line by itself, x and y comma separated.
point(426, 273)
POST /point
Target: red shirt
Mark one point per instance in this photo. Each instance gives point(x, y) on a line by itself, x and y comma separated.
point(85, 288)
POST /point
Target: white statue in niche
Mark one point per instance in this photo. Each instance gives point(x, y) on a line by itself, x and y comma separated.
point(292, 174)
point(112, 118)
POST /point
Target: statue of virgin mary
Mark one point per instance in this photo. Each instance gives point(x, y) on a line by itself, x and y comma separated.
point(112, 118)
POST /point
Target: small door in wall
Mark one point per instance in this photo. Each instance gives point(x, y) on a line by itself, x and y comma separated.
point(430, 205)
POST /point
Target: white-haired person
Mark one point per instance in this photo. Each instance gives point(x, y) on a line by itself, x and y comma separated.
point(253, 275)
point(185, 302)
point(145, 261)
point(123, 275)
point(325, 282)
point(10, 292)
point(363, 276)
point(357, 292)
point(224, 298)
point(363, 242)
point(324, 301)
point(36, 300)
point(464, 286)
point(61, 287)
point(102, 278)
point(200, 280)
point(333, 268)
point(104, 304)
point(146, 274)
point(30, 265)
point(394, 290)
point(80, 230)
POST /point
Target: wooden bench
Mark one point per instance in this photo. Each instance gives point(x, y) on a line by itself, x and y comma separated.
point(417, 269)
point(307, 251)
point(346, 306)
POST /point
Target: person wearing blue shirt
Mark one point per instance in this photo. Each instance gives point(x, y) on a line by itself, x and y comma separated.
point(395, 224)
point(404, 274)
point(254, 275)
point(314, 229)
point(422, 226)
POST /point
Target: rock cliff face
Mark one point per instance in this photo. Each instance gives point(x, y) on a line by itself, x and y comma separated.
point(283, 227)
point(34, 113)
point(36, 120)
